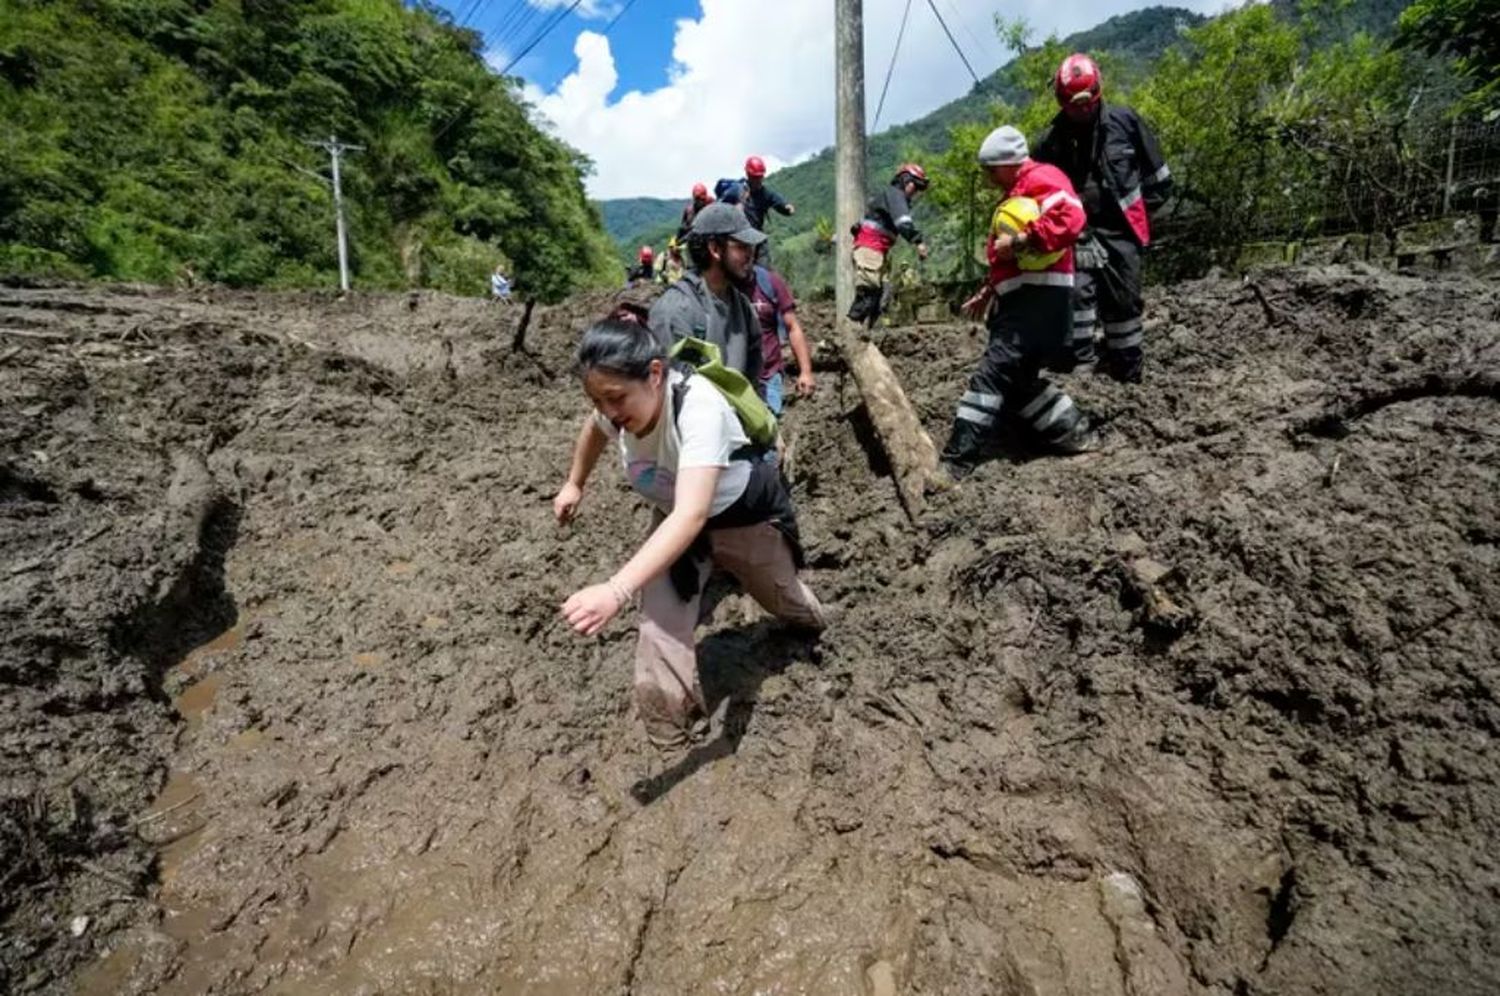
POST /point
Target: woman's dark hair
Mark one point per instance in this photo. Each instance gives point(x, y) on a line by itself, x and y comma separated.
point(697, 247)
point(621, 345)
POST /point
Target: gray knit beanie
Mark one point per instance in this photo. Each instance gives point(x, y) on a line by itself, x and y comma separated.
point(1004, 146)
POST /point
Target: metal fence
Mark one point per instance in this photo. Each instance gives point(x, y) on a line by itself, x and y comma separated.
point(1381, 183)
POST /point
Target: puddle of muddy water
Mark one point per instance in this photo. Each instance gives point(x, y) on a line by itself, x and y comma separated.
point(198, 698)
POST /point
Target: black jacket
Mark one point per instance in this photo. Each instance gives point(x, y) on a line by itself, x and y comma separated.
point(1116, 166)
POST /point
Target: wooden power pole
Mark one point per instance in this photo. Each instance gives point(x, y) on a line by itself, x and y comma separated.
point(849, 124)
point(908, 448)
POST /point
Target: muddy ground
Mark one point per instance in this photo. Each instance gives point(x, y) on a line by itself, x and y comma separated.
point(288, 707)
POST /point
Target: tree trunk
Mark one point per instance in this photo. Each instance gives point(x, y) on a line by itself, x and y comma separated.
point(518, 342)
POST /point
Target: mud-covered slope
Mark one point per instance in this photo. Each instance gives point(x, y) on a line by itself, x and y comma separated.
point(1211, 711)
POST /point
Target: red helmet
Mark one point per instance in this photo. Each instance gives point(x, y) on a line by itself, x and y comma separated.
point(1078, 81)
point(700, 192)
point(914, 173)
point(646, 254)
point(755, 166)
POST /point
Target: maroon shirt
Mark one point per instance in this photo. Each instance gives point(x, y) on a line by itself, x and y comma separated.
point(766, 311)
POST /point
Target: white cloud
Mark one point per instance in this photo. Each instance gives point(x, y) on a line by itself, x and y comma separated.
point(757, 79)
point(587, 8)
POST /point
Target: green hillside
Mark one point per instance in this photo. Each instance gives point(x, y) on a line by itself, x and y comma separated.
point(624, 217)
point(167, 140)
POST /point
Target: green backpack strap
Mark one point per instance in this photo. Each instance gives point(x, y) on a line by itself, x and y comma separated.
point(704, 359)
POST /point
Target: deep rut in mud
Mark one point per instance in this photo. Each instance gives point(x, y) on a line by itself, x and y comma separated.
point(290, 708)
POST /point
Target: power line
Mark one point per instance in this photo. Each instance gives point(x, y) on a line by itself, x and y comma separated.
point(953, 41)
point(616, 19)
point(979, 45)
point(546, 30)
point(892, 70)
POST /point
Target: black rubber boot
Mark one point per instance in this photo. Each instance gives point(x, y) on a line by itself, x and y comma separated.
point(1082, 438)
point(1124, 365)
point(965, 446)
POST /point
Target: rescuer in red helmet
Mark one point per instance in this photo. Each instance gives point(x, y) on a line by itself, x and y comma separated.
point(645, 267)
point(1114, 163)
point(759, 200)
point(700, 200)
point(887, 215)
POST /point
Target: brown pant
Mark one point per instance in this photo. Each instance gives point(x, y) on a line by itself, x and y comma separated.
point(668, 695)
point(869, 267)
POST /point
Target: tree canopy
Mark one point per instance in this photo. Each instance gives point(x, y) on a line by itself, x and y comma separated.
point(162, 140)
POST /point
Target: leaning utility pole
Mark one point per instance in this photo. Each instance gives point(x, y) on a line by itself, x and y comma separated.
point(908, 449)
point(336, 150)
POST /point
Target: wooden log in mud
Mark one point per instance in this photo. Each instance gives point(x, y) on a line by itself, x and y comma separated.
point(908, 448)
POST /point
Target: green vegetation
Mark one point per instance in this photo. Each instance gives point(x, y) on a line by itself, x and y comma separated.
point(627, 217)
point(1467, 30)
point(165, 140)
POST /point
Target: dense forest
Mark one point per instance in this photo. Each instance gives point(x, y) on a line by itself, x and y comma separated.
point(168, 141)
point(1281, 120)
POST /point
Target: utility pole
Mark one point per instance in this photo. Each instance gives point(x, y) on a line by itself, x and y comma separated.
point(908, 449)
point(336, 150)
point(849, 125)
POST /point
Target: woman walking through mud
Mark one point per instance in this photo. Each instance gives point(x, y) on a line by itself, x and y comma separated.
point(717, 502)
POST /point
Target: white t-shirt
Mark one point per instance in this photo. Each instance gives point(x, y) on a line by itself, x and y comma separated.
point(704, 435)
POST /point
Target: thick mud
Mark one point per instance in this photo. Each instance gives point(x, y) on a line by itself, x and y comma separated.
point(289, 707)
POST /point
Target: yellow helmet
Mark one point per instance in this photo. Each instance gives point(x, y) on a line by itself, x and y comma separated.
point(1011, 218)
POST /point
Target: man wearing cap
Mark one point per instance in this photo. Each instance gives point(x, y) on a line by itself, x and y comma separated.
point(1027, 300)
point(706, 304)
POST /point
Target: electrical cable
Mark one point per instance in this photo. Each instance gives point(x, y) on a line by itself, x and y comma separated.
point(953, 41)
point(892, 69)
point(546, 30)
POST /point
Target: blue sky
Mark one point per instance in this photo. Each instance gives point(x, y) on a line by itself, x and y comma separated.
point(683, 90)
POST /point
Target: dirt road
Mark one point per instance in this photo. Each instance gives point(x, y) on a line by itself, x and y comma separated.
point(289, 708)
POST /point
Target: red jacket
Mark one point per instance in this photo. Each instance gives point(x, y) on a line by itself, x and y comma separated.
point(1061, 222)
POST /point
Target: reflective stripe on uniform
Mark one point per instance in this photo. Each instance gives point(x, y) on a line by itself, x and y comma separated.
point(976, 415)
point(1159, 175)
point(1130, 198)
point(1063, 407)
point(1123, 335)
point(1086, 316)
point(1060, 195)
point(903, 221)
point(1045, 279)
point(979, 399)
point(1042, 400)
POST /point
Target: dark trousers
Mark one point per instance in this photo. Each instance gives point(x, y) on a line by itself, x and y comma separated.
point(1029, 330)
point(1110, 292)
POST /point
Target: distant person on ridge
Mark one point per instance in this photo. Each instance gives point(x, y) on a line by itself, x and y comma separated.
point(776, 311)
point(887, 215)
point(705, 304)
point(1114, 163)
point(645, 266)
point(500, 285)
point(672, 268)
point(1027, 301)
point(700, 201)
